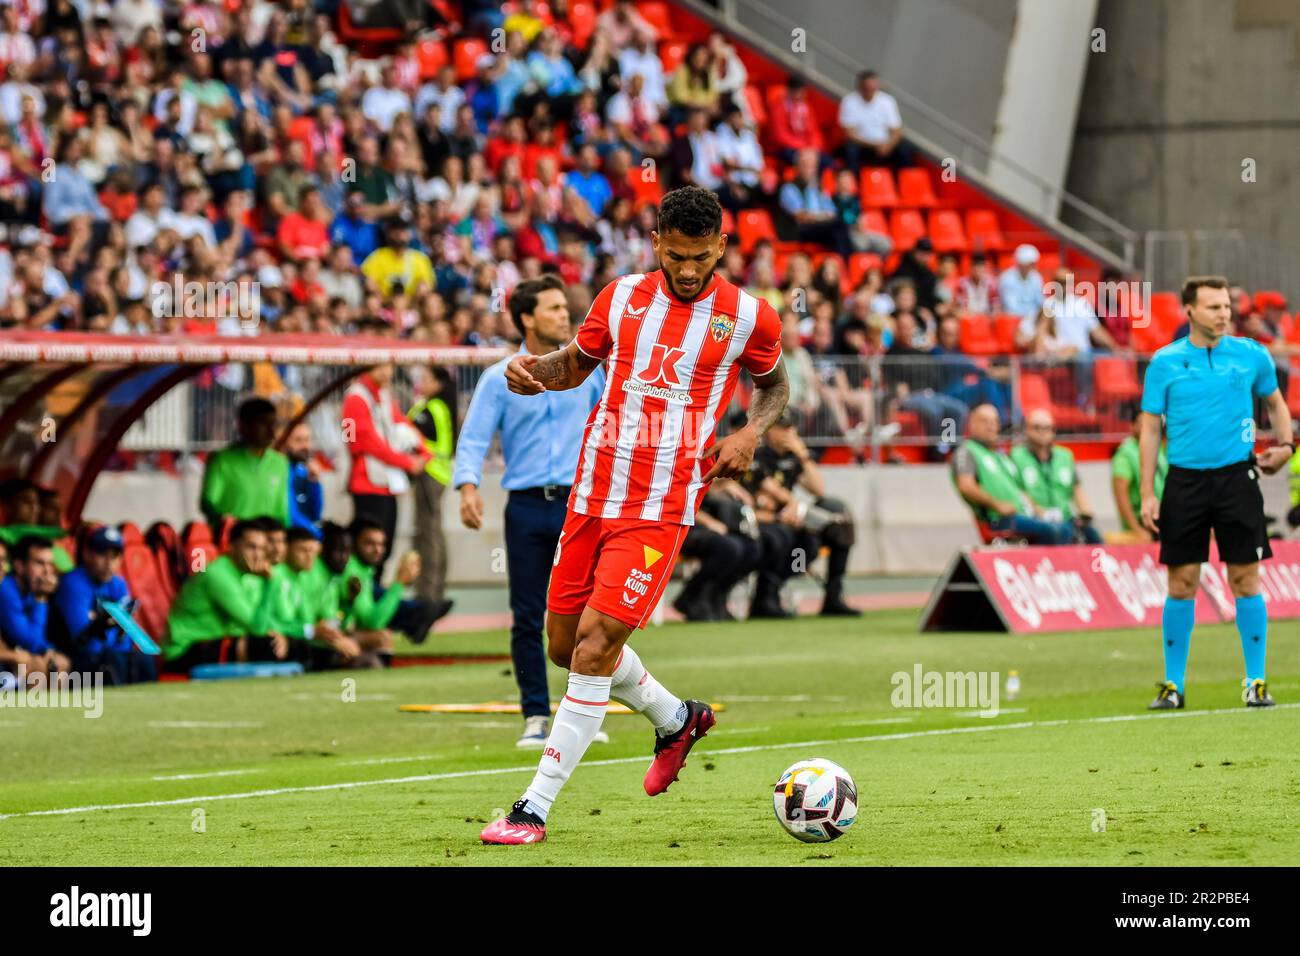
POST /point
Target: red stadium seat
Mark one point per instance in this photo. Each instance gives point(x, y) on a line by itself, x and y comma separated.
point(983, 230)
point(873, 220)
point(1167, 312)
point(465, 56)
point(906, 226)
point(140, 570)
point(989, 536)
point(757, 108)
point(671, 54)
point(1115, 380)
point(432, 57)
point(582, 17)
point(659, 16)
point(877, 189)
point(946, 232)
point(1034, 393)
point(198, 550)
point(164, 542)
point(859, 264)
point(975, 334)
point(1004, 330)
point(915, 188)
point(753, 225)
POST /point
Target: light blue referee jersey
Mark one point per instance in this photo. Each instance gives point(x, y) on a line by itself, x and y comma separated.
point(1206, 396)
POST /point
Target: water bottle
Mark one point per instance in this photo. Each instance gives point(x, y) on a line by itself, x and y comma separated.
point(1013, 685)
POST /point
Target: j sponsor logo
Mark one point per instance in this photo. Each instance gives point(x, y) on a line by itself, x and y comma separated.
point(1045, 590)
point(78, 909)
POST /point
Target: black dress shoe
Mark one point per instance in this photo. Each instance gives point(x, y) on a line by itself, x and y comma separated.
point(838, 608)
point(768, 610)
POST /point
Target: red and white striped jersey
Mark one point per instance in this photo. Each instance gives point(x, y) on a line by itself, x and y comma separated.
point(673, 367)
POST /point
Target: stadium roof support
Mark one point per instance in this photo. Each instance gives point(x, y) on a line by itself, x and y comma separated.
point(67, 398)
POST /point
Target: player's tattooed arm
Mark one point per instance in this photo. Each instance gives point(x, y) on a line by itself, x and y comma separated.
point(771, 392)
point(555, 371)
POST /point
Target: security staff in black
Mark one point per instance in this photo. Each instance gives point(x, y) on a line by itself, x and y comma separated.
point(792, 532)
point(1205, 386)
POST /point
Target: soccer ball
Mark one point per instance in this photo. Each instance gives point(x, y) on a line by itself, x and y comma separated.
point(815, 800)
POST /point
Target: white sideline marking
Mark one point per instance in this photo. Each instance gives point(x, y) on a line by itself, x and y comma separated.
point(204, 724)
point(210, 773)
point(374, 760)
point(996, 713)
point(531, 768)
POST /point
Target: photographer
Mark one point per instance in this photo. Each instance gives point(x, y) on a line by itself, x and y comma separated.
point(726, 552)
point(788, 526)
point(82, 625)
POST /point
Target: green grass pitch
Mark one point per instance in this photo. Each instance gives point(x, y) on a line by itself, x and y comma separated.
point(288, 772)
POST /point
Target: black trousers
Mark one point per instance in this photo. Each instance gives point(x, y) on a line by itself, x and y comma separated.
point(789, 551)
point(725, 559)
point(532, 527)
point(381, 509)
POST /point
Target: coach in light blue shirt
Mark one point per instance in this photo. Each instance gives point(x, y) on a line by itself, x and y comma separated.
point(541, 438)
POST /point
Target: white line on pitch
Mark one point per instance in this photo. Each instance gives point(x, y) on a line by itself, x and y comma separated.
point(531, 768)
point(204, 724)
point(210, 773)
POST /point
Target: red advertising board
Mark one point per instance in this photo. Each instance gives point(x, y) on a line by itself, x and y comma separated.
point(1038, 589)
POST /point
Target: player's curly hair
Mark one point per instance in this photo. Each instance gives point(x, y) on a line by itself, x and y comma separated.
point(692, 211)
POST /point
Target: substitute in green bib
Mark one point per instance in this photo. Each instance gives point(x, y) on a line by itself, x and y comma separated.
point(305, 607)
point(249, 479)
point(1049, 478)
point(221, 605)
point(1126, 482)
point(989, 483)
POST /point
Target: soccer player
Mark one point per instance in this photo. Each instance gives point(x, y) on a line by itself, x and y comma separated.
point(1204, 386)
point(675, 340)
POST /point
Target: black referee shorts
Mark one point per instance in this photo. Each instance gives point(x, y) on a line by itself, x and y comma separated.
point(1227, 500)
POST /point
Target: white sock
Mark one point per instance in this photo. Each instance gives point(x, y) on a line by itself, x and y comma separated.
point(636, 687)
point(576, 721)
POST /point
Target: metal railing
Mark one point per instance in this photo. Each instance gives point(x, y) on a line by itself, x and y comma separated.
point(879, 408)
point(932, 131)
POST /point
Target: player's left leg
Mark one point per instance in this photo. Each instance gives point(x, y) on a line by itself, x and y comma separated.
point(1241, 531)
point(1252, 627)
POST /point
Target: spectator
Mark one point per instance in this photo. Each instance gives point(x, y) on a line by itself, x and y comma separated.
point(873, 128)
point(1074, 322)
point(848, 207)
point(24, 607)
point(742, 161)
point(914, 267)
point(696, 157)
point(1126, 481)
point(642, 59)
point(1050, 480)
point(303, 234)
point(588, 181)
point(634, 118)
point(223, 613)
point(249, 479)
point(815, 216)
point(1020, 287)
point(446, 94)
point(395, 265)
point(791, 527)
point(96, 644)
point(694, 86)
point(989, 482)
point(977, 292)
point(353, 230)
point(962, 378)
point(69, 195)
point(385, 451)
point(795, 127)
point(624, 26)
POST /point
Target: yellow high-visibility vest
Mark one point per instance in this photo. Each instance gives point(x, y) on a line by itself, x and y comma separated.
point(439, 466)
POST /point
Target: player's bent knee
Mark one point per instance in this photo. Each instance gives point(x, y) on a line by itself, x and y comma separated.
point(560, 655)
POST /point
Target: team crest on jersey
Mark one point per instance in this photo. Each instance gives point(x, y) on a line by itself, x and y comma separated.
point(721, 326)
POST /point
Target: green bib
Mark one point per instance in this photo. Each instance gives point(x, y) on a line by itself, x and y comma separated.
point(1048, 484)
point(996, 474)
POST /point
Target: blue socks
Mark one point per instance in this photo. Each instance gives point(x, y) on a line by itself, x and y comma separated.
point(1252, 625)
point(1176, 623)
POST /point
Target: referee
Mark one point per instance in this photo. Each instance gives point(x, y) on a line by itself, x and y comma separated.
point(540, 441)
point(1204, 386)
